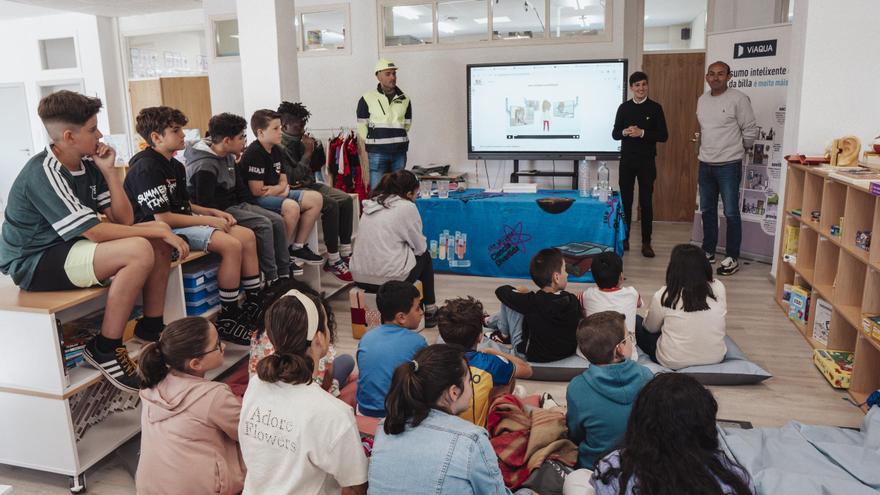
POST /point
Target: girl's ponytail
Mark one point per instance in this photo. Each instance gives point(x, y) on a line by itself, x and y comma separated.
point(418, 384)
point(181, 341)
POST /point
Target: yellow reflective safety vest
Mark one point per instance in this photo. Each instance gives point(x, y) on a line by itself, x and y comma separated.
point(383, 124)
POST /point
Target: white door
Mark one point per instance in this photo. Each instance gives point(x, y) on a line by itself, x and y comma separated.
point(16, 144)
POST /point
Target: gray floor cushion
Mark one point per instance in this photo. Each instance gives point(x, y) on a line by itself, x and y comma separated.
point(736, 369)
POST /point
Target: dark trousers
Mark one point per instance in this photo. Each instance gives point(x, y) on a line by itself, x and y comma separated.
point(723, 180)
point(647, 341)
point(643, 169)
point(337, 215)
point(423, 272)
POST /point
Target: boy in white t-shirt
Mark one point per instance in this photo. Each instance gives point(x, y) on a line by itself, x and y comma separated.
point(609, 293)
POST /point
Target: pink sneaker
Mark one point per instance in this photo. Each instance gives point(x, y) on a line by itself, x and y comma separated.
point(339, 269)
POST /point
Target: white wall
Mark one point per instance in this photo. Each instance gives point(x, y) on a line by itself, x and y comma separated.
point(666, 37)
point(698, 32)
point(114, 82)
point(163, 22)
point(740, 14)
point(836, 98)
point(224, 74)
point(22, 60)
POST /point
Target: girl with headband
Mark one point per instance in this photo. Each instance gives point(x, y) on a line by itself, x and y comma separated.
point(423, 447)
point(189, 424)
point(295, 437)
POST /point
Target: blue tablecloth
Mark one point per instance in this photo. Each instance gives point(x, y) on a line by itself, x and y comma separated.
point(496, 235)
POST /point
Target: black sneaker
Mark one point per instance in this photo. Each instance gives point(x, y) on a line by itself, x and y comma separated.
point(234, 328)
point(729, 266)
point(430, 319)
point(711, 258)
point(144, 334)
point(295, 268)
point(117, 367)
point(253, 311)
point(305, 255)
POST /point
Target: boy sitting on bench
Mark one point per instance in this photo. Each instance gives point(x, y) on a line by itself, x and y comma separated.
point(54, 240)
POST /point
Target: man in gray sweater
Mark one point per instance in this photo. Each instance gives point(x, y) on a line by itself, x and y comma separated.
point(727, 129)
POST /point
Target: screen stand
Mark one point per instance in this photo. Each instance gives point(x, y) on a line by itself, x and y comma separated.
point(514, 177)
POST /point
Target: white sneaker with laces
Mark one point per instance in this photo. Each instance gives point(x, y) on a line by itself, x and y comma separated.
point(729, 266)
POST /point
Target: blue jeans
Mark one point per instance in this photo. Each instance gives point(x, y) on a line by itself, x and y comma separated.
point(510, 323)
point(724, 179)
point(273, 203)
point(383, 163)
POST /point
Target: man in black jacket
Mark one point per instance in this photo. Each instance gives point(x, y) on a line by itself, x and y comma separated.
point(304, 155)
point(640, 125)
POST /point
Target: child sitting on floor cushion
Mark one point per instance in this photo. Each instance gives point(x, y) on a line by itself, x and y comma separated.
point(494, 372)
point(187, 421)
point(599, 399)
point(685, 324)
point(610, 294)
point(541, 325)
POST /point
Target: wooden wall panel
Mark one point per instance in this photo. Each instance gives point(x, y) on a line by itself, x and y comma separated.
point(190, 95)
point(676, 81)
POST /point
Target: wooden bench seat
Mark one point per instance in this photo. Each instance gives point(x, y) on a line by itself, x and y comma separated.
point(14, 299)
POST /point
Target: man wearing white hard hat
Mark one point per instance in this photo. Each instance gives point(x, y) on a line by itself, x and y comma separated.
point(384, 118)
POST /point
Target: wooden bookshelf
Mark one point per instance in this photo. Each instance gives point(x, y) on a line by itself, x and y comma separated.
point(833, 267)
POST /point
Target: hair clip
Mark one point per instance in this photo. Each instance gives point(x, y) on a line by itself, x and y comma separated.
point(415, 366)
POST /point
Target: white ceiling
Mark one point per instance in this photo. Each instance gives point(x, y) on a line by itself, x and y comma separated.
point(659, 13)
point(13, 10)
point(110, 8)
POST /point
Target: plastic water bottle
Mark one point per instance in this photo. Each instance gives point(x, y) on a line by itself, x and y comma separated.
point(604, 182)
point(584, 178)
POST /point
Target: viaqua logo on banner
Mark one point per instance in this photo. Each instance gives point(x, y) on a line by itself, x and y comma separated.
point(765, 48)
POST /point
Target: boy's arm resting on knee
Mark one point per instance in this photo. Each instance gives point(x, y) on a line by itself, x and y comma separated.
point(213, 212)
point(258, 188)
point(104, 232)
point(178, 220)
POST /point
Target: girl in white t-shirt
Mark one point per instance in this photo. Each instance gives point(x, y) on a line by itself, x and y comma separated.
point(685, 325)
point(295, 437)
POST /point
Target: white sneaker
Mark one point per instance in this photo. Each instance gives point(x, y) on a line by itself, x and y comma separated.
point(729, 266)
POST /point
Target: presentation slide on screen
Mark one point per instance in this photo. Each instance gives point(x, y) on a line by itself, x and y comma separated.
point(564, 108)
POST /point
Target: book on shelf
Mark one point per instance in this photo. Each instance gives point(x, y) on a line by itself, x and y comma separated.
point(790, 239)
point(799, 304)
point(786, 294)
point(822, 320)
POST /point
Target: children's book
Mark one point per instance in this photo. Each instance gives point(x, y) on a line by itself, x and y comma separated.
point(822, 320)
